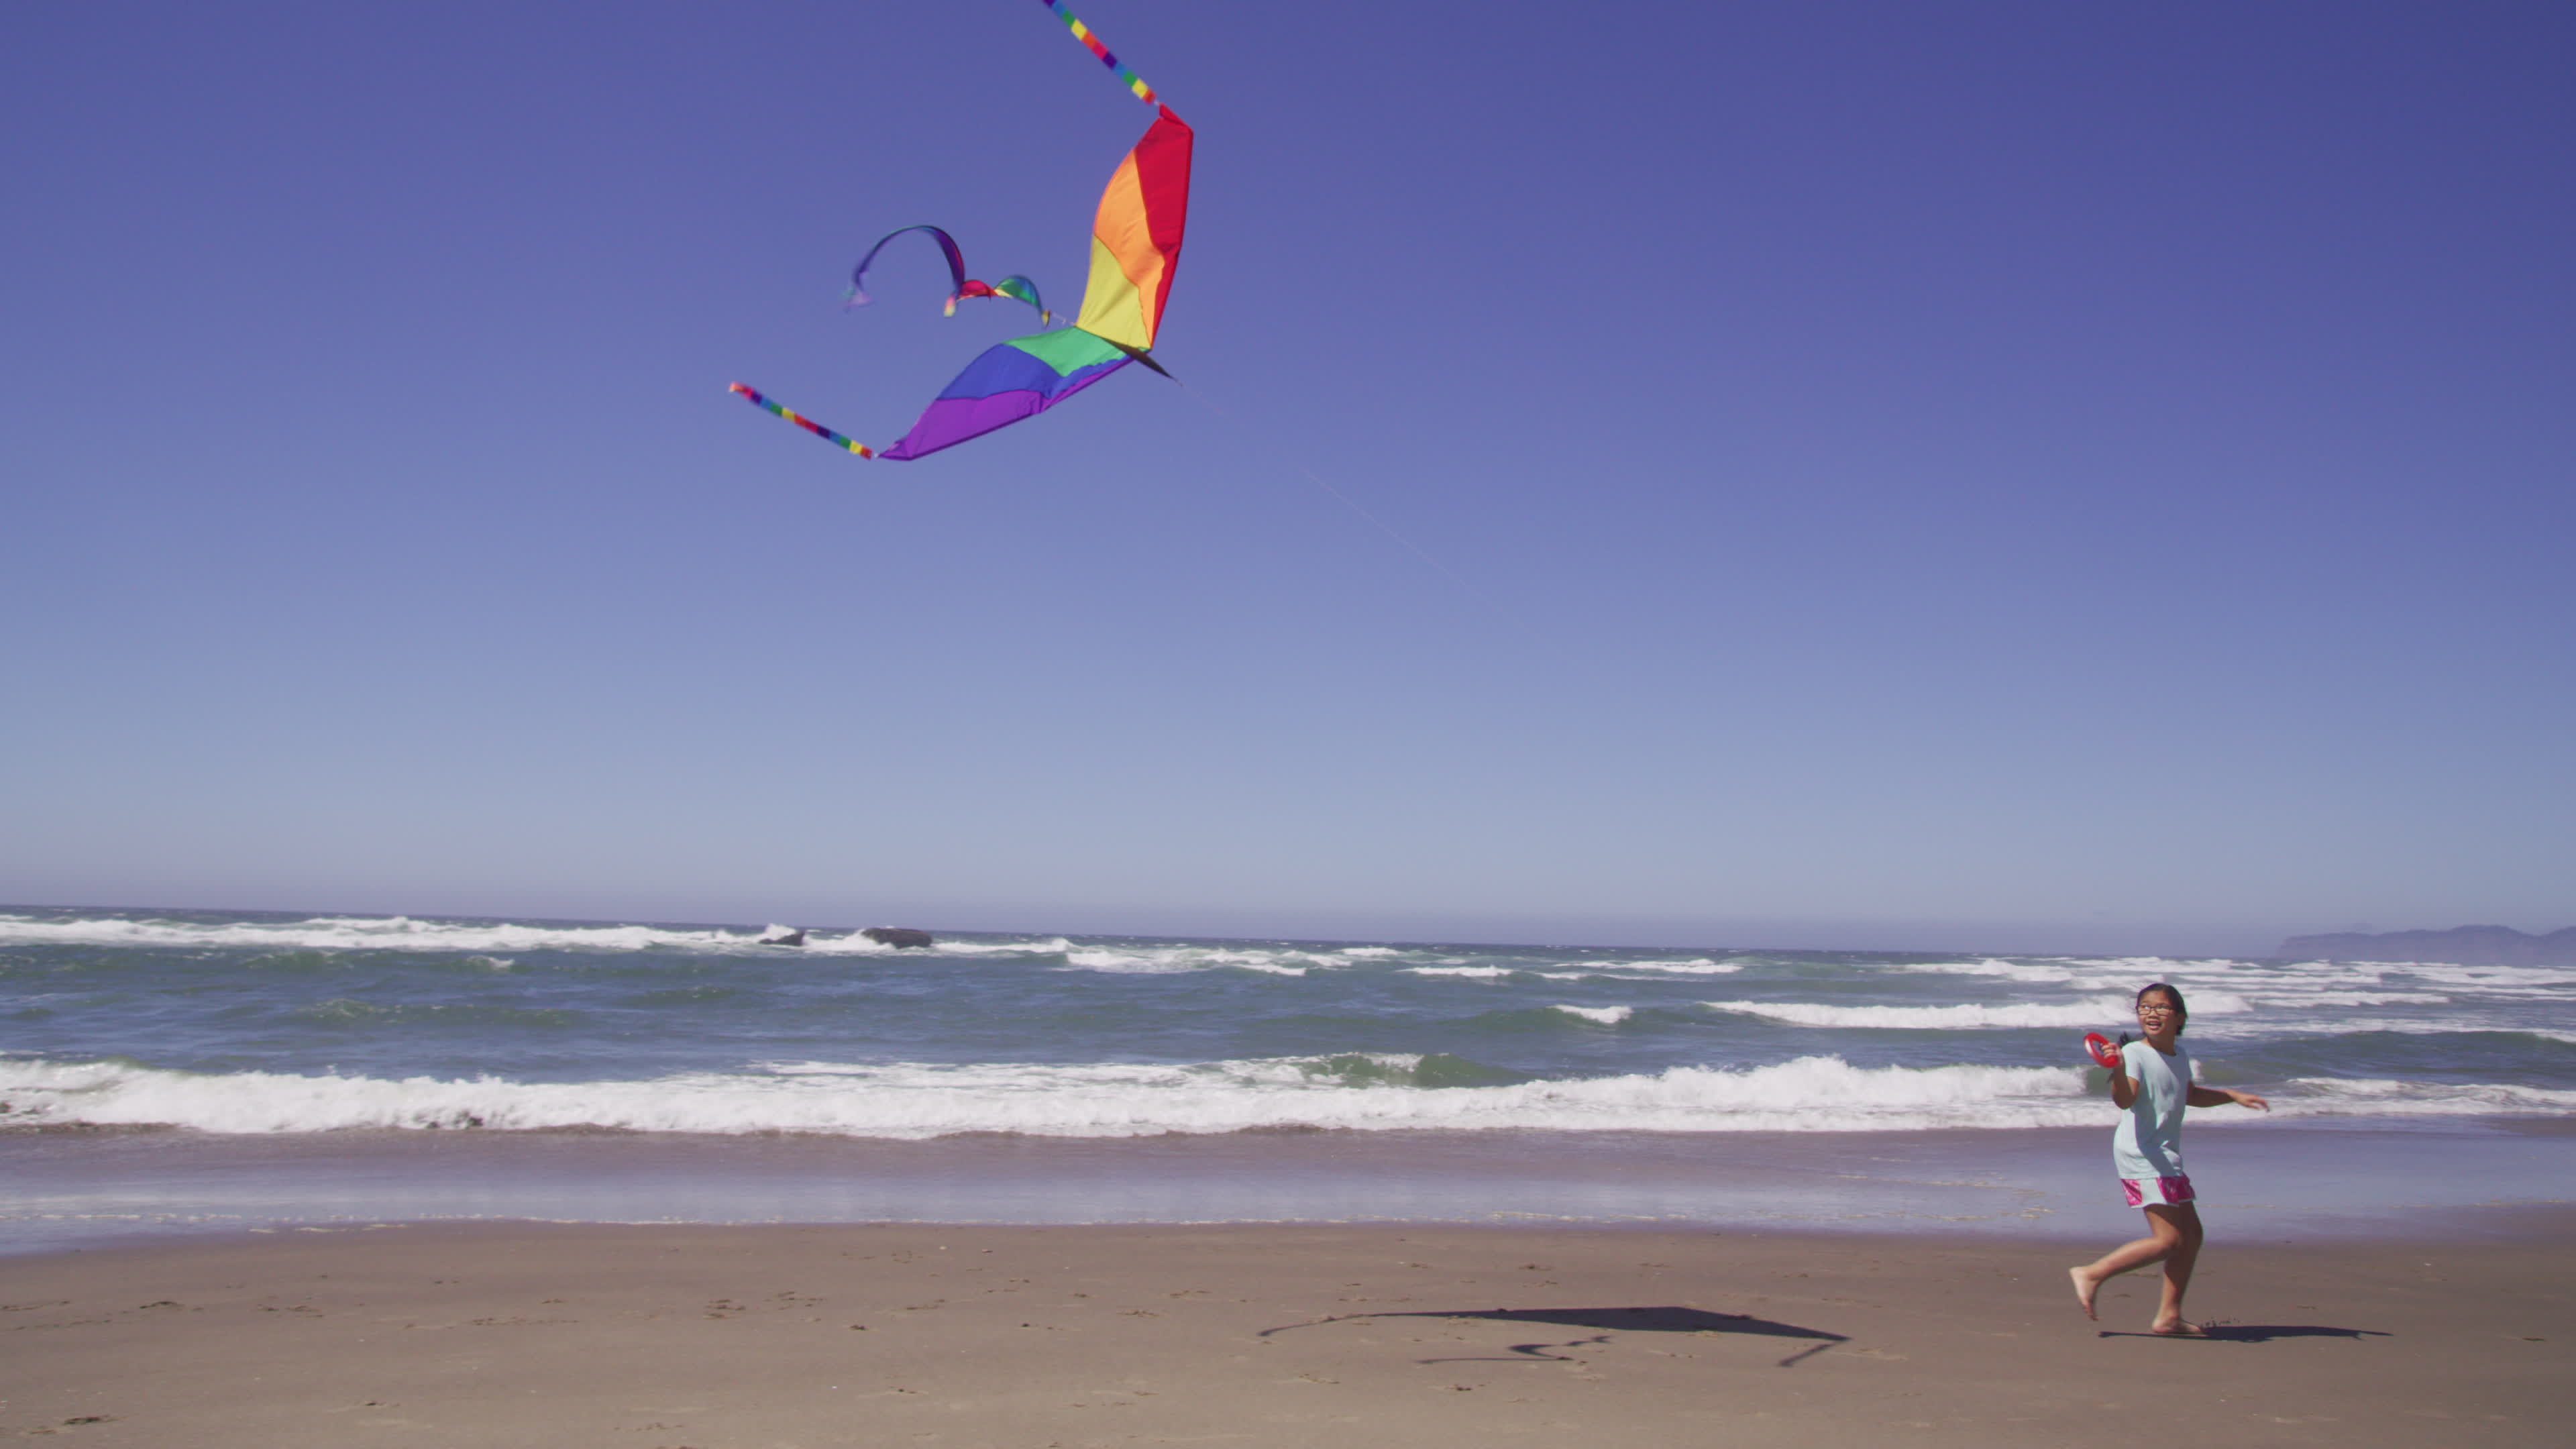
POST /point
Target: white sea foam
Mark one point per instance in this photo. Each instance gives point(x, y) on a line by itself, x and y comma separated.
point(2203, 1003)
point(2259, 980)
point(2128, 973)
point(2345, 998)
point(1605, 1015)
point(1472, 973)
point(486, 941)
point(1991, 966)
point(1125, 962)
point(1033, 946)
point(402, 933)
point(1173, 960)
point(1626, 970)
point(359, 933)
point(916, 1100)
point(1932, 1018)
point(2368, 1097)
point(2515, 980)
point(2303, 997)
point(854, 943)
point(490, 939)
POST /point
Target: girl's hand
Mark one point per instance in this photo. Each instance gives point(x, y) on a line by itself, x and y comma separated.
point(2248, 1099)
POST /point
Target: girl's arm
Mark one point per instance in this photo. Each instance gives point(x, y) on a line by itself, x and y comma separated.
point(2124, 1093)
point(2200, 1096)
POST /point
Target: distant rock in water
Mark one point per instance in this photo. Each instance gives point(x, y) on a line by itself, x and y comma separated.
point(782, 936)
point(897, 936)
point(2458, 946)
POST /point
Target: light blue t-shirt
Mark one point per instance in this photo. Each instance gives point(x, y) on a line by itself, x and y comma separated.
point(2148, 1141)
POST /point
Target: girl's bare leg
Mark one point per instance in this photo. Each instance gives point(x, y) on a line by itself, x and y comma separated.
point(2178, 1263)
point(2167, 1236)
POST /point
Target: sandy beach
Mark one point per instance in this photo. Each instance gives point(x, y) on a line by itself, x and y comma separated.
point(715, 1337)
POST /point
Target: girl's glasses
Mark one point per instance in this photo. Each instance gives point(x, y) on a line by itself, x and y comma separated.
point(2157, 1011)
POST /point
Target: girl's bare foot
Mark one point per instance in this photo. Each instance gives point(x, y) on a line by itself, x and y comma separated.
point(2178, 1329)
point(2086, 1286)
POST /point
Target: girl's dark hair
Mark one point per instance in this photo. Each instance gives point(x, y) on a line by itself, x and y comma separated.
point(2173, 994)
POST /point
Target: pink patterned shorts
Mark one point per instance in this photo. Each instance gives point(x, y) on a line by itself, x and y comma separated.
point(2144, 1190)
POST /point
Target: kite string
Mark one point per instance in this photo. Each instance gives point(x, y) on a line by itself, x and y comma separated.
point(1483, 599)
point(1091, 42)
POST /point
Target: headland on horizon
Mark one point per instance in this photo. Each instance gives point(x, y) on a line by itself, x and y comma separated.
point(2458, 946)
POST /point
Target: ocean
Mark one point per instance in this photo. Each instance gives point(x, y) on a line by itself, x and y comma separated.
point(170, 1071)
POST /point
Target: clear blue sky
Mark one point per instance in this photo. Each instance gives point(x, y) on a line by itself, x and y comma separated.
point(2005, 475)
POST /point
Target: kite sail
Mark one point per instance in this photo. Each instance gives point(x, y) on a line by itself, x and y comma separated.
point(1135, 249)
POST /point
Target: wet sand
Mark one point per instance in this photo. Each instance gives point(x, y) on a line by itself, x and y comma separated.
point(2259, 1179)
point(736, 1337)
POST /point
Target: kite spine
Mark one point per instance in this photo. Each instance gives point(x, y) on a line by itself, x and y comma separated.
point(1091, 42)
point(808, 424)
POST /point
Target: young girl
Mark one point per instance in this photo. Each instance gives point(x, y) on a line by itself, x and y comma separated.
point(2153, 1084)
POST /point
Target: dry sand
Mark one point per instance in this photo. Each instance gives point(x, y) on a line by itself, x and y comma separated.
point(763, 1338)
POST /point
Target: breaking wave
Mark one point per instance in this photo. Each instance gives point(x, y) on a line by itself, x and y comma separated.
point(2092, 1013)
point(1357, 1092)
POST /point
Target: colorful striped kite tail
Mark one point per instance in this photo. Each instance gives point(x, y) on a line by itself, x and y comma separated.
point(752, 396)
point(1092, 43)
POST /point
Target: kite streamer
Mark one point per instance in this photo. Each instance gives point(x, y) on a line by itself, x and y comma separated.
point(808, 424)
point(1014, 286)
point(858, 296)
point(1018, 288)
point(1090, 41)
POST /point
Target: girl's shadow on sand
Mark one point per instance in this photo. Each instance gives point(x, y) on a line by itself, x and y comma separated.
point(1633, 1320)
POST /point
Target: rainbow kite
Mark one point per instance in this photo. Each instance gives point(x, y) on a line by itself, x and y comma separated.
point(1135, 248)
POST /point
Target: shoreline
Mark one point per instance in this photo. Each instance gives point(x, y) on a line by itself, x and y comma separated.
point(707, 1337)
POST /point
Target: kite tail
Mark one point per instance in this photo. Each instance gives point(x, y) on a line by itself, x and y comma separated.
point(857, 296)
point(1090, 41)
point(808, 424)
